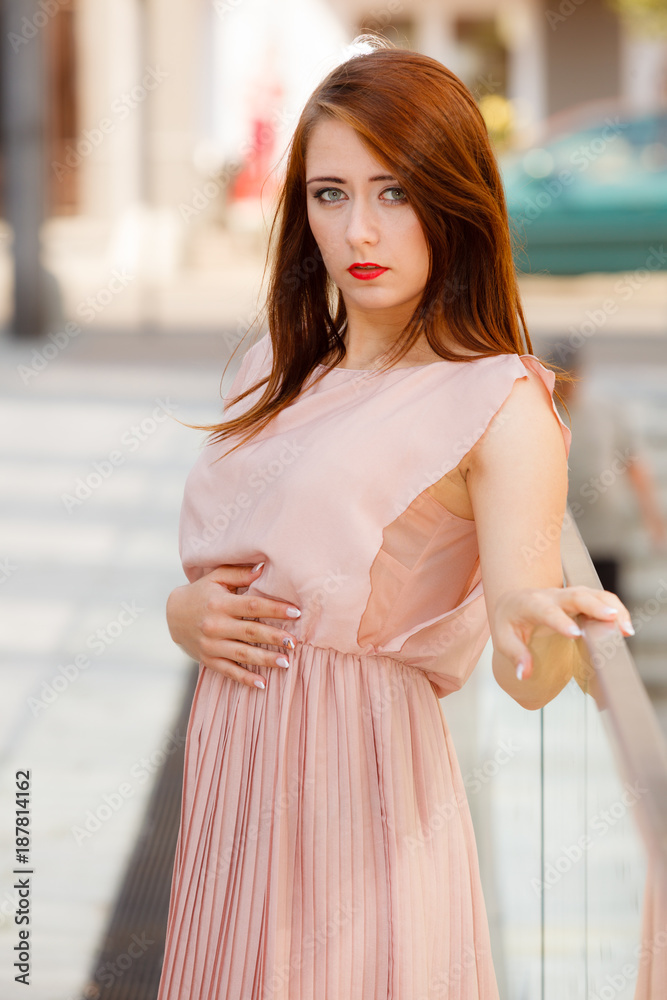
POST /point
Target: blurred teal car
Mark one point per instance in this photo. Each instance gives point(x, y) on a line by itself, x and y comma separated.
point(592, 198)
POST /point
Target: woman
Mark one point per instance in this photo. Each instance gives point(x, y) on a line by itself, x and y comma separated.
point(397, 470)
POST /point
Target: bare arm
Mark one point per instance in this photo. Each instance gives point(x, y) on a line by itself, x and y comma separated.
point(517, 482)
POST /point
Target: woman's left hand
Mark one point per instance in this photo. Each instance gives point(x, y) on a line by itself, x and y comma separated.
point(531, 612)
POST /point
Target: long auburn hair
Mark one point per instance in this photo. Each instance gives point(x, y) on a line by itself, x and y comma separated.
point(420, 121)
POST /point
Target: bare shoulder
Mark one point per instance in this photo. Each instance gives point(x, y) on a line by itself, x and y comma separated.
point(524, 426)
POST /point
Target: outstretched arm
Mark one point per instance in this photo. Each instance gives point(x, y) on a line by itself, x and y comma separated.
point(517, 481)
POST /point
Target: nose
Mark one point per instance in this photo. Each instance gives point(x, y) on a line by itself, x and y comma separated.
point(362, 229)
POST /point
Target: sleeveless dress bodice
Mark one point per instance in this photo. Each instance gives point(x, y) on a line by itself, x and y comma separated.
point(332, 497)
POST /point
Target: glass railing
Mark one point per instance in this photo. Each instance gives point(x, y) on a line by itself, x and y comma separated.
point(570, 811)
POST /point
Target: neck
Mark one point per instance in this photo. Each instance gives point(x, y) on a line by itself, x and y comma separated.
point(369, 348)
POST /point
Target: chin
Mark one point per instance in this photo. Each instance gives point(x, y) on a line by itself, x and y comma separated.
point(373, 303)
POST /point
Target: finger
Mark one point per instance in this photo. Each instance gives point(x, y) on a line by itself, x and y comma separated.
point(613, 602)
point(216, 629)
point(244, 653)
point(545, 608)
point(252, 606)
point(236, 576)
point(511, 645)
point(602, 605)
point(250, 630)
point(228, 668)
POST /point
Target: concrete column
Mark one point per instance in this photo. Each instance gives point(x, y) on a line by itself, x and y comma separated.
point(109, 55)
point(522, 27)
point(24, 24)
point(643, 70)
point(175, 52)
point(584, 38)
point(434, 33)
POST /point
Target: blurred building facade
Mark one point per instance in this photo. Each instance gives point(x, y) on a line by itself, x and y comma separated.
point(164, 119)
point(137, 90)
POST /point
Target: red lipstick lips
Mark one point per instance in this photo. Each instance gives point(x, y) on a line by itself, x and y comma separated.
point(366, 271)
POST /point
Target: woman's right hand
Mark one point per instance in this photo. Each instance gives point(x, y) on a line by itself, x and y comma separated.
point(208, 620)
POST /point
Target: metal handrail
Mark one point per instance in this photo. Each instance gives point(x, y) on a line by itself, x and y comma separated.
point(607, 672)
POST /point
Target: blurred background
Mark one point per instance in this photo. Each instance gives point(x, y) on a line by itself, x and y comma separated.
point(140, 153)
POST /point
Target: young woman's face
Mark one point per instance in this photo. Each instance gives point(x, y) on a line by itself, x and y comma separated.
point(359, 214)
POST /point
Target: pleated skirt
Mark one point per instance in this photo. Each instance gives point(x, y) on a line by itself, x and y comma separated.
point(326, 849)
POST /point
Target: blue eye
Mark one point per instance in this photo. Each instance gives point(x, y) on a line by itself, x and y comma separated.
point(318, 194)
point(404, 198)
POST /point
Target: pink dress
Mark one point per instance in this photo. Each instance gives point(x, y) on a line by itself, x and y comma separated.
point(326, 850)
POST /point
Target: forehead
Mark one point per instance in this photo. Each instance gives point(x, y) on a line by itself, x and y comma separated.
point(333, 141)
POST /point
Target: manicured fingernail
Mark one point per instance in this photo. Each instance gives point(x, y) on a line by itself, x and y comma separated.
point(610, 611)
point(627, 627)
point(282, 661)
point(288, 642)
point(256, 568)
point(293, 613)
point(259, 684)
point(575, 630)
point(519, 670)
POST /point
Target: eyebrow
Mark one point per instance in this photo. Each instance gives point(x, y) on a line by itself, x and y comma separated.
point(339, 180)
